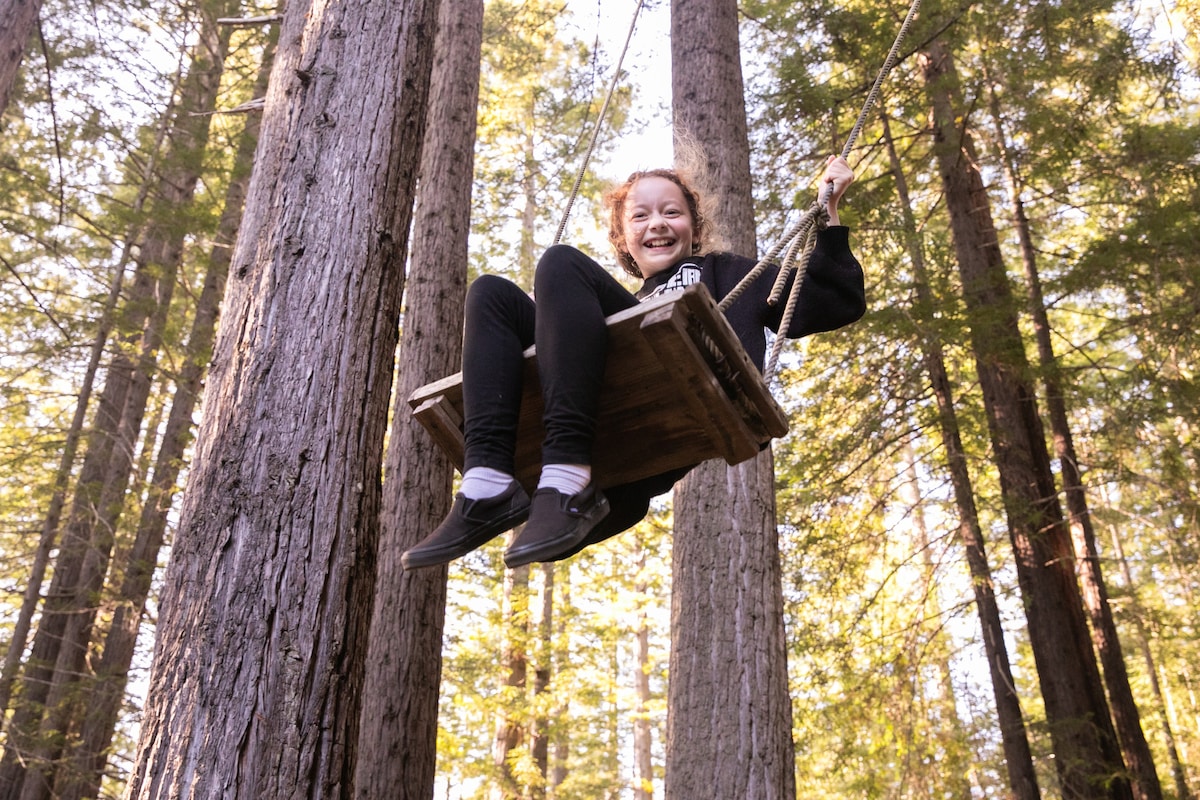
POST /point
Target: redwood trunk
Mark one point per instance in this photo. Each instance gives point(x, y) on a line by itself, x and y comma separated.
point(86, 769)
point(18, 21)
point(729, 723)
point(258, 667)
point(398, 737)
point(60, 646)
point(1126, 717)
point(1018, 758)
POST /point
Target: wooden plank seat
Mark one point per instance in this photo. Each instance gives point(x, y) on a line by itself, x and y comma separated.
point(678, 389)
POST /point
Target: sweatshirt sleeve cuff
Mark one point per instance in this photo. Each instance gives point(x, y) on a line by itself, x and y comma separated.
point(835, 236)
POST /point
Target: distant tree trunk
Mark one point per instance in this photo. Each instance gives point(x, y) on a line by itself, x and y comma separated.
point(1087, 758)
point(398, 731)
point(18, 21)
point(543, 666)
point(1018, 758)
point(84, 773)
point(728, 663)
point(52, 522)
point(260, 658)
point(1178, 774)
point(60, 646)
point(1126, 718)
point(560, 751)
point(643, 764)
point(62, 476)
point(515, 665)
point(527, 255)
point(953, 777)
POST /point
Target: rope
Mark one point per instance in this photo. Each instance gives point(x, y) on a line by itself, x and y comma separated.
point(612, 87)
point(800, 235)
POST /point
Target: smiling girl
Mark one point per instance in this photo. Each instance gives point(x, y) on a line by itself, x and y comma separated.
point(662, 235)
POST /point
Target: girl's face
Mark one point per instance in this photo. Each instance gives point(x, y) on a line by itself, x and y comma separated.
point(657, 224)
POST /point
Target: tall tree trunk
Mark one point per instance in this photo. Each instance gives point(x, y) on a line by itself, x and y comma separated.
point(561, 746)
point(1126, 718)
point(62, 476)
point(61, 643)
point(1018, 758)
point(527, 254)
point(543, 665)
point(728, 661)
point(398, 731)
point(258, 666)
point(53, 520)
point(84, 772)
point(1087, 758)
point(18, 21)
point(954, 777)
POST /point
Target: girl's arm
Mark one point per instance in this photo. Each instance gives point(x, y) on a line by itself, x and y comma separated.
point(837, 178)
point(833, 293)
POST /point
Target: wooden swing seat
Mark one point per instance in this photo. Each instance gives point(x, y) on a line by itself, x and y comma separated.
point(678, 389)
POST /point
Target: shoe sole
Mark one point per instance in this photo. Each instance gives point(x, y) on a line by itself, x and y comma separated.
point(482, 535)
point(548, 550)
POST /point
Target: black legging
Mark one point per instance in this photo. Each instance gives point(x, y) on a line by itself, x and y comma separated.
point(574, 295)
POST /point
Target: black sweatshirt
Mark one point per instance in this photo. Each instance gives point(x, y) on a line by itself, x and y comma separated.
point(831, 296)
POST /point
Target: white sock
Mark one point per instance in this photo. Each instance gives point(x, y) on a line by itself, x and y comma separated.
point(567, 478)
point(480, 483)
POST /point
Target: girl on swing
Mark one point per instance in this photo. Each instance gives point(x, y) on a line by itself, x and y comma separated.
point(662, 235)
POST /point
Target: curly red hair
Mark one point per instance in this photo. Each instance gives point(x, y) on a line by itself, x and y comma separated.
point(614, 201)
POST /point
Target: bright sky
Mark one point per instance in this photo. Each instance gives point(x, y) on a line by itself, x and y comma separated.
point(647, 67)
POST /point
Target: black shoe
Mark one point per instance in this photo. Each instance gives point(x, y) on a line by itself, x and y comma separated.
point(557, 523)
point(469, 524)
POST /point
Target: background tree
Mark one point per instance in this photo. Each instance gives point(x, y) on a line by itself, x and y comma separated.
point(59, 651)
point(20, 21)
point(1100, 109)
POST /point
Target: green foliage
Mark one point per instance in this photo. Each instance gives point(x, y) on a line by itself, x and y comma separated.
point(539, 101)
point(1108, 169)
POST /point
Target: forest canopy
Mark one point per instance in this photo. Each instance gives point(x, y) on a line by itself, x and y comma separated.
point(907, 550)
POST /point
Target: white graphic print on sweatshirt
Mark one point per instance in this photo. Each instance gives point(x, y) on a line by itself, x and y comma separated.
point(687, 274)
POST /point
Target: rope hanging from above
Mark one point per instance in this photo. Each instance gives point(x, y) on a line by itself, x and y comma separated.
point(799, 240)
point(587, 156)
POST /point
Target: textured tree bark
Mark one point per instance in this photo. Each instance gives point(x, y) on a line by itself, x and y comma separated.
point(1087, 758)
point(398, 736)
point(258, 667)
point(84, 772)
point(18, 21)
point(729, 723)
